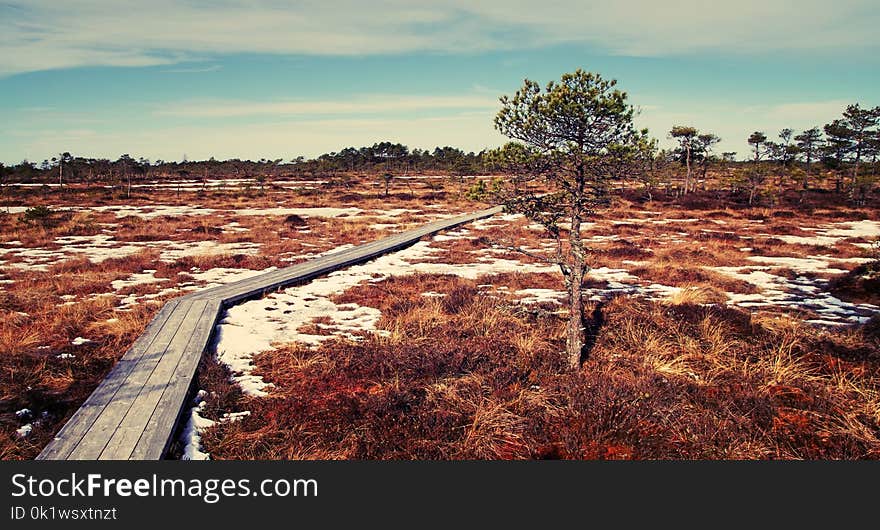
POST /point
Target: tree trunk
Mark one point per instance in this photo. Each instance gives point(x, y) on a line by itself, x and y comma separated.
point(705, 171)
point(575, 335)
point(575, 331)
point(855, 174)
point(687, 179)
point(805, 184)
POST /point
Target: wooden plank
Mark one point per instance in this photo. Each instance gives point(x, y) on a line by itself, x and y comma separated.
point(173, 405)
point(130, 429)
point(73, 430)
point(96, 438)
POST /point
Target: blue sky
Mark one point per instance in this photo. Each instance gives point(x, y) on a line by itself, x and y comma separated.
point(255, 79)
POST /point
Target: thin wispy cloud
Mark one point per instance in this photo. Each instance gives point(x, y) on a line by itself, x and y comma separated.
point(365, 105)
point(194, 70)
point(46, 34)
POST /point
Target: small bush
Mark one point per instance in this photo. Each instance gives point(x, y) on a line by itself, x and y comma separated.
point(39, 214)
point(477, 191)
point(295, 220)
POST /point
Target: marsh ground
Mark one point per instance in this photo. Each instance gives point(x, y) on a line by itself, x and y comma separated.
point(720, 331)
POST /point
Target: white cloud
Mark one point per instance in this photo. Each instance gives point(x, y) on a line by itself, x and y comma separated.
point(194, 70)
point(47, 34)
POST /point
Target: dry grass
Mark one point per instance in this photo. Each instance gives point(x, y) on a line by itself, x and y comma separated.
point(466, 376)
point(698, 295)
point(689, 276)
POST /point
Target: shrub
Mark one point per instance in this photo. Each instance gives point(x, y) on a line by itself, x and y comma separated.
point(41, 214)
point(477, 191)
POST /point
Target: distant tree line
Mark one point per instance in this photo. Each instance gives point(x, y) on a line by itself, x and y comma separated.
point(841, 155)
point(380, 158)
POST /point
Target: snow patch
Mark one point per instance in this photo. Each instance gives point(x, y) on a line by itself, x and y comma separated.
point(305, 212)
point(143, 278)
point(191, 437)
point(195, 425)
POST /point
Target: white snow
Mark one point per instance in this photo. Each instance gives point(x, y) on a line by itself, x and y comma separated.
point(829, 234)
point(23, 413)
point(152, 211)
point(79, 341)
point(800, 293)
point(222, 275)
point(485, 224)
point(394, 212)
point(653, 221)
point(143, 278)
point(196, 425)
point(234, 227)
point(864, 228)
point(101, 247)
point(509, 217)
point(453, 235)
point(538, 296)
point(24, 430)
point(305, 212)
point(807, 264)
point(176, 250)
point(824, 241)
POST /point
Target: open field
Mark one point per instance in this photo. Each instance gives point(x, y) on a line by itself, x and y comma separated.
point(720, 330)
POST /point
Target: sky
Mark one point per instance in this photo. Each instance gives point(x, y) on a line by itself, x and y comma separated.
point(276, 79)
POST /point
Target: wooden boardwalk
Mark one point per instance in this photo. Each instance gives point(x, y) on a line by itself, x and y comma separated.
point(134, 411)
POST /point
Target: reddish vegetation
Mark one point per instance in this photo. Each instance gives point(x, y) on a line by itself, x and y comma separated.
point(474, 373)
point(473, 377)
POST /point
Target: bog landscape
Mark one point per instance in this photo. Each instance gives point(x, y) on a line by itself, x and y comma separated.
point(729, 307)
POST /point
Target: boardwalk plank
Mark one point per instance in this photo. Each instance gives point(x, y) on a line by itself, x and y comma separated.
point(132, 425)
point(156, 438)
point(96, 438)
